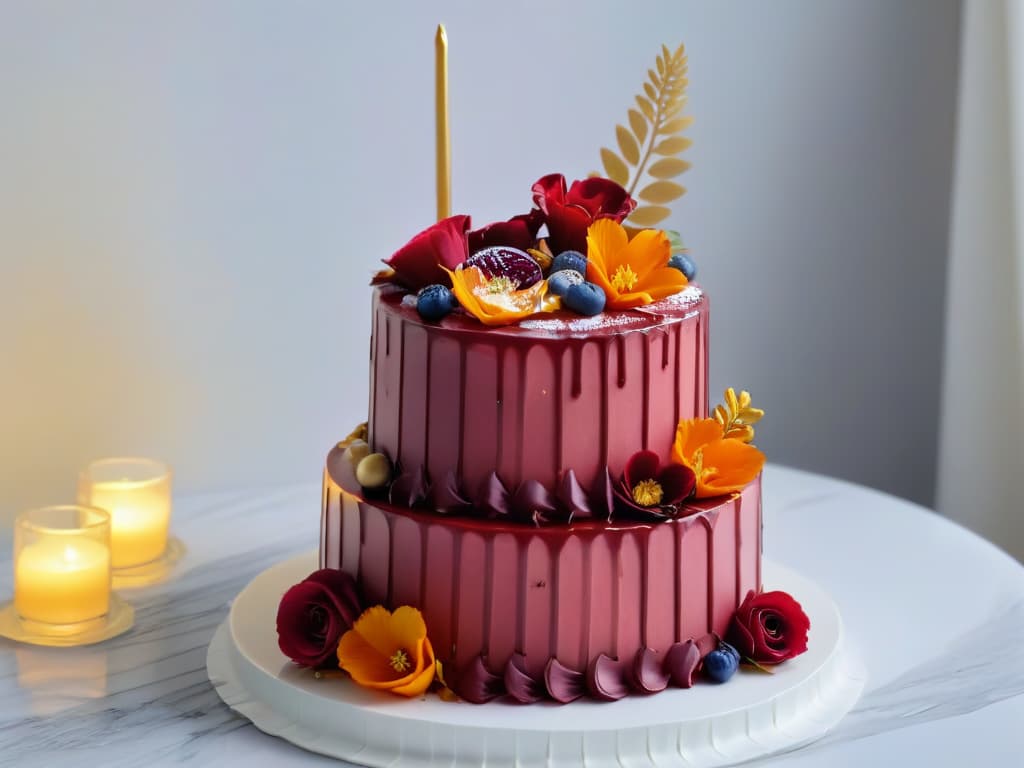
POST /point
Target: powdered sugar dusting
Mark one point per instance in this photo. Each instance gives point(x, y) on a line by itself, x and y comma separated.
point(409, 300)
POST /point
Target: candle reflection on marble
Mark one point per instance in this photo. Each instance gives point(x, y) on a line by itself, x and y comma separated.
point(137, 494)
point(58, 679)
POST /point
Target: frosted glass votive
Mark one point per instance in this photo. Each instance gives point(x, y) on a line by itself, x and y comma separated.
point(137, 494)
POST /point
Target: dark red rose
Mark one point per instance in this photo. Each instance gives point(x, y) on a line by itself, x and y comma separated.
point(569, 213)
point(314, 614)
point(769, 627)
point(649, 491)
point(419, 262)
point(518, 232)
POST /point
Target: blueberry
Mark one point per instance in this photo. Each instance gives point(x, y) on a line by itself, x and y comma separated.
point(434, 302)
point(722, 663)
point(570, 260)
point(564, 279)
point(684, 264)
point(585, 299)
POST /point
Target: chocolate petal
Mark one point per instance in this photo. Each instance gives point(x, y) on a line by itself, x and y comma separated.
point(707, 643)
point(492, 499)
point(573, 497)
point(409, 489)
point(564, 684)
point(477, 684)
point(519, 685)
point(681, 663)
point(602, 495)
point(606, 679)
point(534, 503)
point(648, 674)
point(446, 498)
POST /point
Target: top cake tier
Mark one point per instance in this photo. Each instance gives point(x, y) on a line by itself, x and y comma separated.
point(531, 401)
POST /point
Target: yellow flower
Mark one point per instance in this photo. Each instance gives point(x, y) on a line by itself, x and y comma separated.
point(493, 302)
point(722, 465)
point(631, 272)
point(389, 651)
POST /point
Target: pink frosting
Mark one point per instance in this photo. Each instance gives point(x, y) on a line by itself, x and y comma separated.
point(493, 589)
point(529, 402)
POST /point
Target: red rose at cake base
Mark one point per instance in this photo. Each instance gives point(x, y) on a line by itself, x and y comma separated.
point(568, 213)
point(423, 260)
point(769, 627)
point(313, 616)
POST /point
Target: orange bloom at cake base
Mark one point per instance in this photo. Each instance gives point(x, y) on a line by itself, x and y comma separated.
point(722, 465)
point(389, 651)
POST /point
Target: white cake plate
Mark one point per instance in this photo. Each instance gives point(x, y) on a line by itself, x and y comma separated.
point(753, 715)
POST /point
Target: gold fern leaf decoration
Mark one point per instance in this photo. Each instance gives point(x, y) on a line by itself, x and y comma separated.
point(654, 130)
point(737, 416)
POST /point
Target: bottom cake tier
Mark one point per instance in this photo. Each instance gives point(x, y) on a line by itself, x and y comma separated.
point(495, 594)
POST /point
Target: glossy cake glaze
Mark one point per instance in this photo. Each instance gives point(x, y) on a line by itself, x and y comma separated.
point(496, 591)
point(532, 400)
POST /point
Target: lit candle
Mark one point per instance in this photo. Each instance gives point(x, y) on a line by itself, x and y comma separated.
point(62, 583)
point(62, 565)
point(137, 494)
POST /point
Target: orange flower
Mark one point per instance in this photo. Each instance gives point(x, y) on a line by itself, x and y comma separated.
point(389, 651)
point(494, 302)
point(631, 272)
point(722, 465)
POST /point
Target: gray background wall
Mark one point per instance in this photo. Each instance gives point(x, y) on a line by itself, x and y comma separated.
point(193, 195)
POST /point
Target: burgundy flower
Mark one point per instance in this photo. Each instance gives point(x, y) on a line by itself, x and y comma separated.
point(518, 232)
point(419, 262)
point(314, 614)
point(769, 627)
point(650, 491)
point(569, 213)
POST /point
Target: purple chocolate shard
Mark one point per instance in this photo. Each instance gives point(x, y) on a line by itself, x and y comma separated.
point(564, 684)
point(492, 499)
point(602, 495)
point(477, 684)
point(648, 673)
point(606, 679)
point(681, 663)
point(533, 502)
point(707, 643)
point(409, 489)
point(501, 261)
point(446, 497)
point(573, 497)
point(519, 685)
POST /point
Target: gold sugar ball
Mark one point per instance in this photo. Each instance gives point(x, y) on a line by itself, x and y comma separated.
point(374, 471)
point(357, 451)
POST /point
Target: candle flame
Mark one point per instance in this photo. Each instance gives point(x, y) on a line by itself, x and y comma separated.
point(70, 554)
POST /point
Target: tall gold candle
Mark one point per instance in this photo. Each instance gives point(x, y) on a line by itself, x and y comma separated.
point(444, 163)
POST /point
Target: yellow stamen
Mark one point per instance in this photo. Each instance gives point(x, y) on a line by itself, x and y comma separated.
point(500, 284)
point(399, 661)
point(647, 493)
point(624, 278)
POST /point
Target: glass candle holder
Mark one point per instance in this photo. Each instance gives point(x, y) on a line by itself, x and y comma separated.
point(137, 494)
point(62, 579)
point(62, 567)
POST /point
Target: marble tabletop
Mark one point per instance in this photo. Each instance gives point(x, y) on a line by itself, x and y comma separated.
point(936, 613)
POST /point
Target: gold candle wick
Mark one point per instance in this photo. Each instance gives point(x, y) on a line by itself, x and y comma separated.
point(444, 163)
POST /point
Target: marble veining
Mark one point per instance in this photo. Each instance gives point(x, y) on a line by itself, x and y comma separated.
point(144, 699)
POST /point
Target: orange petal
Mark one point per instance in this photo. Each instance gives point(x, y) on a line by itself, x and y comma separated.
point(692, 434)
point(374, 625)
point(363, 661)
point(607, 244)
point(728, 466)
point(407, 627)
point(663, 281)
point(647, 252)
point(470, 287)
